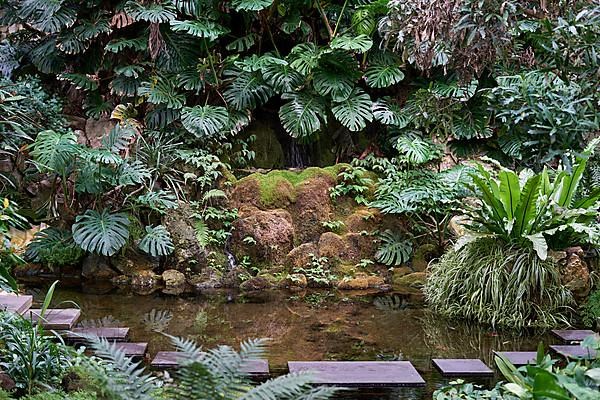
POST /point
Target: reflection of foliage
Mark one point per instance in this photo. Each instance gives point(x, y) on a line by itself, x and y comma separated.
point(390, 303)
point(107, 321)
point(157, 320)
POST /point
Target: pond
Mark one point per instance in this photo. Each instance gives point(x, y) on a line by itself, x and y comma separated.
point(311, 325)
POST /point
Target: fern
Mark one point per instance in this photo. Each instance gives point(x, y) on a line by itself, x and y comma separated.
point(303, 114)
point(355, 111)
point(157, 241)
point(204, 121)
point(101, 232)
point(202, 233)
point(122, 378)
point(47, 241)
point(394, 250)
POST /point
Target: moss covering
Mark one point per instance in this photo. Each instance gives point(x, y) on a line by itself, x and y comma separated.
point(277, 188)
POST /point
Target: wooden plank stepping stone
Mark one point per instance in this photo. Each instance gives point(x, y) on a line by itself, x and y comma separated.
point(57, 318)
point(170, 359)
point(17, 304)
point(519, 358)
point(132, 349)
point(574, 351)
point(360, 373)
point(572, 335)
point(462, 367)
point(112, 334)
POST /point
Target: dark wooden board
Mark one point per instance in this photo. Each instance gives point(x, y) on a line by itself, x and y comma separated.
point(112, 334)
point(519, 358)
point(56, 318)
point(574, 351)
point(170, 359)
point(462, 367)
point(360, 373)
point(17, 304)
point(132, 349)
point(572, 335)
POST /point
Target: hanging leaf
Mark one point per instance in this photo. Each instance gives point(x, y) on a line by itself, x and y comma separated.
point(247, 91)
point(383, 75)
point(157, 241)
point(101, 232)
point(80, 81)
point(282, 77)
point(54, 151)
point(204, 121)
point(355, 111)
point(303, 114)
point(360, 43)
point(251, 5)
point(202, 28)
point(394, 250)
point(390, 113)
point(151, 12)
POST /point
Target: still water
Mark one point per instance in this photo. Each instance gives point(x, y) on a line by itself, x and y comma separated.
point(305, 326)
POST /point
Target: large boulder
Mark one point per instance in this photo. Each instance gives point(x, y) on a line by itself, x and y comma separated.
point(575, 274)
point(264, 236)
point(187, 253)
point(313, 206)
point(95, 130)
point(351, 247)
point(300, 256)
point(97, 268)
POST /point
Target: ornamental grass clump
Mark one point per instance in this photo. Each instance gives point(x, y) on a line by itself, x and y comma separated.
point(499, 271)
point(499, 284)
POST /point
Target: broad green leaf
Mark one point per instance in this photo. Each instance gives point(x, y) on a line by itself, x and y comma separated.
point(525, 213)
point(251, 5)
point(101, 232)
point(355, 111)
point(157, 241)
point(303, 114)
point(509, 191)
point(360, 43)
point(204, 121)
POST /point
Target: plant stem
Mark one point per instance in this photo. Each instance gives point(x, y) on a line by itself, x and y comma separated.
point(337, 24)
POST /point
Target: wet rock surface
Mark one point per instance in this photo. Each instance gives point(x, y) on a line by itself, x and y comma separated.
point(187, 254)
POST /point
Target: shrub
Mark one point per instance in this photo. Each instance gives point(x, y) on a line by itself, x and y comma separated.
point(500, 284)
point(590, 313)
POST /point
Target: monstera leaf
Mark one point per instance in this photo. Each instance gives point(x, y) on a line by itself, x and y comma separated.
point(53, 151)
point(102, 232)
point(204, 121)
point(355, 111)
point(303, 114)
point(157, 241)
point(251, 5)
point(394, 250)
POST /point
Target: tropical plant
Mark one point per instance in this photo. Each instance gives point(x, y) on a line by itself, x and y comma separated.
point(394, 249)
point(429, 198)
point(499, 284)
point(203, 374)
point(353, 182)
point(32, 358)
point(102, 232)
point(529, 210)
point(9, 218)
point(157, 241)
point(541, 116)
point(53, 247)
point(590, 311)
point(317, 271)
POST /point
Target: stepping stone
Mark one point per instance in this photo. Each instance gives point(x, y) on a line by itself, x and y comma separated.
point(360, 373)
point(57, 318)
point(112, 334)
point(170, 359)
point(132, 349)
point(572, 335)
point(462, 367)
point(17, 304)
point(574, 351)
point(519, 358)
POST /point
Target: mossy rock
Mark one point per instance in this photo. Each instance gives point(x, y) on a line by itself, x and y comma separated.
point(277, 189)
point(423, 255)
point(267, 148)
point(414, 280)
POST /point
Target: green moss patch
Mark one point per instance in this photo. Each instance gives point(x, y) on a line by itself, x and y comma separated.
point(277, 188)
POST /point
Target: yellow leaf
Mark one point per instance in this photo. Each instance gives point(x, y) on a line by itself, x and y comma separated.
point(6, 202)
